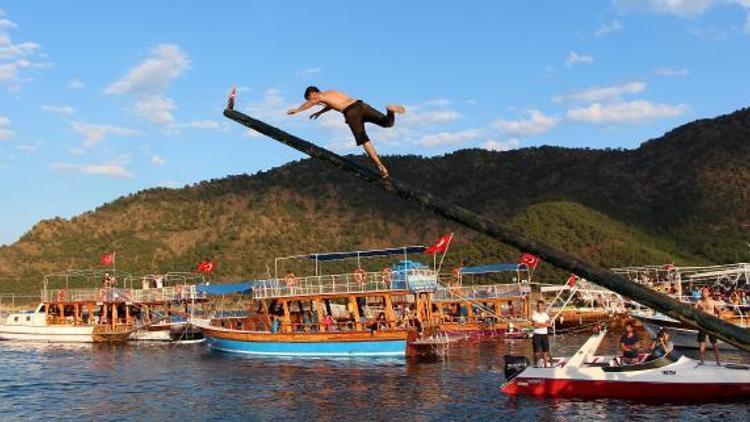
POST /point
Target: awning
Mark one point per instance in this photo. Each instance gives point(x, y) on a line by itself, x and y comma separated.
point(335, 256)
point(490, 268)
point(226, 289)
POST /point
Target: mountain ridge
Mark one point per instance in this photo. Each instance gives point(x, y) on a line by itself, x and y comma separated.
point(685, 195)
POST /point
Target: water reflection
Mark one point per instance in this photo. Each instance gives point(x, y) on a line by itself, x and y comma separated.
point(187, 381)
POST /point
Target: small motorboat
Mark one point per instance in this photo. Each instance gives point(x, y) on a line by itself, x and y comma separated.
point(671, 377)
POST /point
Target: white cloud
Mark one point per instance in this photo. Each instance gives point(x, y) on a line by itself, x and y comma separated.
point(6, 24)
point(27, 148)
point(271, 107)
point(438, 102)
point(107, 169)
point(155, 109)
point(417, 117)
point(5, 130)
point(626, 112)
point(575, 58)
point(672, 72)
point(93, 133)
point(157, 160)
point(201, 124)
point(603, 93)
point(59, 110)
point(77, 151)
point(154, 75)
point(309, 71)
point(670, 7)
point(148, 80)
point(14, 58)
point(493, 145)
point(75, 84)
point(536, 124)
point(613, 26)
point(449, 138)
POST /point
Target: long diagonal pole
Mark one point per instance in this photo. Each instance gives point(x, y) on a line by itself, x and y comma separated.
point(730, 333)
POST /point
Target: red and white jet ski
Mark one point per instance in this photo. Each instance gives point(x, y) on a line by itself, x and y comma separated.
point(671, 377)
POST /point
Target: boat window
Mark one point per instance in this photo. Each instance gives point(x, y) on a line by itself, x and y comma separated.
point(15, 319)
point(28, 318)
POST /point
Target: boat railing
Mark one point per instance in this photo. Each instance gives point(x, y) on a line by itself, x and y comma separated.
point(354, 283)
point(114, 294)
point(490, 291)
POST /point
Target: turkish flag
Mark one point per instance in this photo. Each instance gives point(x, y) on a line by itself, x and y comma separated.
point(572, 280)
point(108, 259)
point(669, 267)
point(441, 245)
point(206, 266)
point(529, 260)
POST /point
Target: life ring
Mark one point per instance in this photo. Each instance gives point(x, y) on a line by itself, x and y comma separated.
point(359, 276)
point(387, 276)
point(290, 280)
point(61, 295)
point(101, 295)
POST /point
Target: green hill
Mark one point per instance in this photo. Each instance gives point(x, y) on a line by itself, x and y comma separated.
point(684, 197)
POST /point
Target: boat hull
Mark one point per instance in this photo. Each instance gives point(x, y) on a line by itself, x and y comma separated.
point(627, 390)
point(332, 344)
point(49, 334)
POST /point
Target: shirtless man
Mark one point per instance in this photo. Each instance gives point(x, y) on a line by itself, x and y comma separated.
point(708, 305)
point(356, 113)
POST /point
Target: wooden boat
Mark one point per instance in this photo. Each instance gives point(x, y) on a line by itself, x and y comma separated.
point(671, 377)
point(297, 316)
point(68, 313)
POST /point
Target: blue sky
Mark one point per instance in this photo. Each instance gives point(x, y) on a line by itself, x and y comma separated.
point(101, 99)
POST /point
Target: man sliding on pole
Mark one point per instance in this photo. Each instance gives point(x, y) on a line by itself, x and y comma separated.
point(356, 113)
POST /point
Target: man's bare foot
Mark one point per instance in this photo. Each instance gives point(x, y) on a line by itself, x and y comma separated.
point(232, 96)
point(396, 108)
point(383, 171)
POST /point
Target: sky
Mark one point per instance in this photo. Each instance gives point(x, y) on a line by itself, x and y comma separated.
point(103, 99)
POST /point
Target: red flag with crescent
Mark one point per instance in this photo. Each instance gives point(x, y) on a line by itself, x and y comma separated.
point(572, 280)
point(108, 259)
point(206, 266)
point(529, 260)
point(441, 245)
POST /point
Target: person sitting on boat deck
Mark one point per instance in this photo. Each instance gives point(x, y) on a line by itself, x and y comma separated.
point(381, 322)
point(710, 306)
point(275, 324)
point(328, 323)
point(660, 345)
point(629, 345)
point(356, 113)
point(540, 340)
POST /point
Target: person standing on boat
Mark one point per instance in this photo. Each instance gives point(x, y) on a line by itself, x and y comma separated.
point(540, 340)
point(356, 113)
point(708, 305)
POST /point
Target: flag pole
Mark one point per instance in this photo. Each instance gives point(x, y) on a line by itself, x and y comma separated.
point(114, 267)
point(445, 252)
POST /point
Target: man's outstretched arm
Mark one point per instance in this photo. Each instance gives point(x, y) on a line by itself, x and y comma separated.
point(317, 114)
point(304, 106)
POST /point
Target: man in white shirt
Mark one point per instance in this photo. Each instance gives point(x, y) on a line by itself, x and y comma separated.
point(541, 321)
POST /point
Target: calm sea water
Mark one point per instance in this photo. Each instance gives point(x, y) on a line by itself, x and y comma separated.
point(188, 382)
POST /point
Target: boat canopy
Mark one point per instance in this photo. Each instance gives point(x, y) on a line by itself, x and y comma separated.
point(246, 287)
point(492, 268)
point(336, 256)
